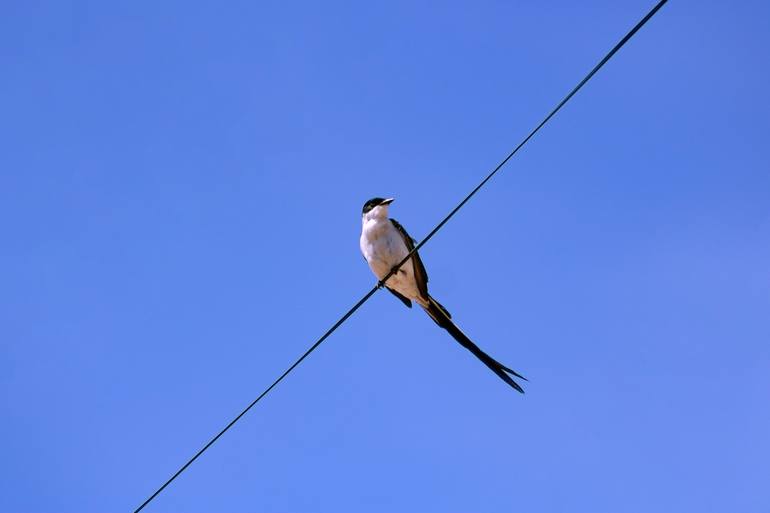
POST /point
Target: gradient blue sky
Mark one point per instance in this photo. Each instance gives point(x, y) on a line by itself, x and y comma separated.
point(180, 192)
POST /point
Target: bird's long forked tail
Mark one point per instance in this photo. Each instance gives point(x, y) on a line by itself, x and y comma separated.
point(442, 317)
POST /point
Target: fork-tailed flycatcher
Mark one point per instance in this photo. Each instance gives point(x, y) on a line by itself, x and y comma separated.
point(385, 243)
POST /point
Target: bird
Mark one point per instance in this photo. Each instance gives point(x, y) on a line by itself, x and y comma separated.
point(384, 244)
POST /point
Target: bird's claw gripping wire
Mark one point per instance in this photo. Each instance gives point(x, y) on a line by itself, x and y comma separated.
point(394, 270)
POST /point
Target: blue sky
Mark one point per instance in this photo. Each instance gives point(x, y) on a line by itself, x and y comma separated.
point(180, 192)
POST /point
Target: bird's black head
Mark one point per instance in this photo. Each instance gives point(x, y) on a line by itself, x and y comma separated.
point(376, 202)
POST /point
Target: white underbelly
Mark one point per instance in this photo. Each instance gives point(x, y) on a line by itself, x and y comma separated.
point(383, 250)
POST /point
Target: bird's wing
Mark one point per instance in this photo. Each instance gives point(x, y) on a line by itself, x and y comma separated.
point(420, 275)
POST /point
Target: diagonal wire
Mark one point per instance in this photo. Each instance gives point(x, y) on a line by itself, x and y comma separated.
point(451, 214)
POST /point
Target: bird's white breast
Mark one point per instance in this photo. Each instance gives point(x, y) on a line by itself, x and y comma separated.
point(383, 247)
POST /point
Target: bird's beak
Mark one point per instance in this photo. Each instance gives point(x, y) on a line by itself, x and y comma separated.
point(387, 201)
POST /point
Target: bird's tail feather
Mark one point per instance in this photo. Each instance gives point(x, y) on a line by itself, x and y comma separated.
point(441, 316)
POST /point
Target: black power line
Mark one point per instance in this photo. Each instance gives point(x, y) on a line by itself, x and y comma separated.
point(369, 294)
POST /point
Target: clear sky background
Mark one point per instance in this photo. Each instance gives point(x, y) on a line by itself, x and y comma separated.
point(180, 195)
